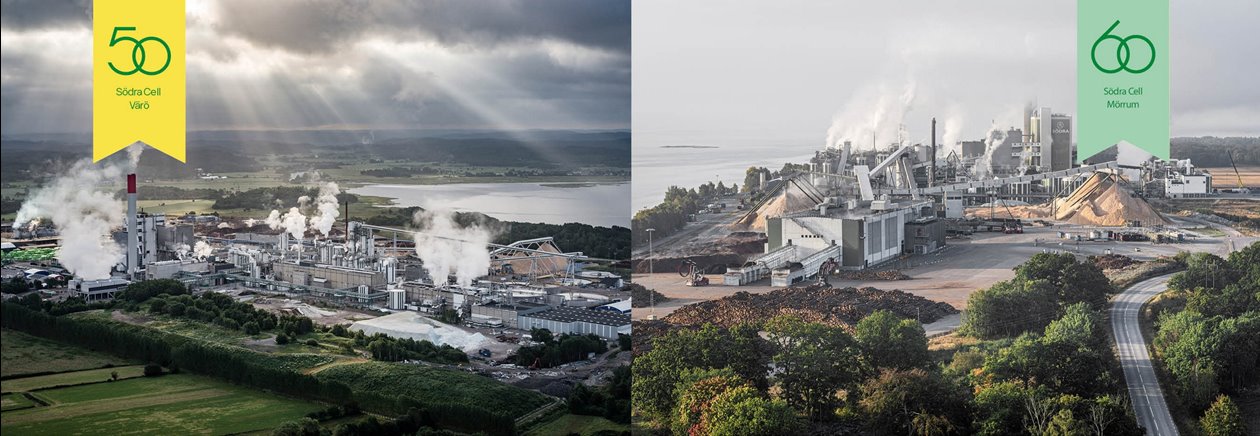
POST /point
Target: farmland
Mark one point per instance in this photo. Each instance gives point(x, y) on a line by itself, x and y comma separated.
point(27, 384)
point(577, 424)
point(171, 404)
point(434, 385)
point(21, 353)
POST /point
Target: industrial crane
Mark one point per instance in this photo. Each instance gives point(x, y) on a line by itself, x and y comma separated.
point(1241, 189)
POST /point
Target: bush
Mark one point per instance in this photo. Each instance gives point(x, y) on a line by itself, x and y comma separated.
point(312, 342)
point(152, 370)
point(281, 339)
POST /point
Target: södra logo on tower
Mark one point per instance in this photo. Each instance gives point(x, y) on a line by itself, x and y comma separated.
point(1125, 59)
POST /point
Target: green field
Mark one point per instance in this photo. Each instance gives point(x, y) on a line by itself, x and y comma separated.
point(578, 424)
point(28, 384)
point(14, 402)
point(436, 385)
point(295, 356)
point(171, 404)
point(21, 353)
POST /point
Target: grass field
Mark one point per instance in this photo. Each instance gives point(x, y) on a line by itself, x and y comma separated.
point(435, 385)
point(28, 384)
point(578, 424)
point(21, 353)
point(15, 401)
point(171, 404)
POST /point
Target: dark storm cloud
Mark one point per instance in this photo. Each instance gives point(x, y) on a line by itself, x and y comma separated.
point(28, 14)
point(310, 26)
point(290, 64)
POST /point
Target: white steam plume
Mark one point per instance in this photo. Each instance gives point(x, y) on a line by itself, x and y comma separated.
point(951, 131)
point(992, 142)
point(446, 248)
point(202, 250)
point(83, 214)
point(326, 208)
point(876, 112)
point(292, 222)
point(182, 250)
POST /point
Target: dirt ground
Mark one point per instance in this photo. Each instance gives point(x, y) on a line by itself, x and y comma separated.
point(319, 315)
point(949, 276)
point(695, 238)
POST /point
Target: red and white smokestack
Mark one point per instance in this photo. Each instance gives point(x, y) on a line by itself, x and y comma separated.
point(133, 239)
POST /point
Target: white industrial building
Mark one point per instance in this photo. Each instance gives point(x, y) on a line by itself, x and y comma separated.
point(575, 321)
point(98, 290)
point(1178, 185)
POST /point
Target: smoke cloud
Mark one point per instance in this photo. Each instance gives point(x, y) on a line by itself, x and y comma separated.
point(84, 216)
point(447, 248)
point(326, 208)
point(984, 166)
point(202, 250)
point(292, 222)
point(877, 113)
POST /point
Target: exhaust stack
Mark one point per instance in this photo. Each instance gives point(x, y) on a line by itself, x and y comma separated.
point(932, 158)
point(133, 239)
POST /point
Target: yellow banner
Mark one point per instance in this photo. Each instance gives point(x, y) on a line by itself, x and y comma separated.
point(138, 76)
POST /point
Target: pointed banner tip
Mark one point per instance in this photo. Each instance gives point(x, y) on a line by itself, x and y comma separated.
point(135, 148)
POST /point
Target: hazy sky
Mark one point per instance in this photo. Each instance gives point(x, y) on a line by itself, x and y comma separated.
point(709, 72)
point(285, 64)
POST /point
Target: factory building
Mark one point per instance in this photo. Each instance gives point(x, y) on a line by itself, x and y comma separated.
point(925, 235)
point(1178, 185)
point(867, 236)
point(509, 313)
point(622, 306)
point(324, 276)
point(570, 320)
point(97, 290)
point(1050, 141)
point(170, 268)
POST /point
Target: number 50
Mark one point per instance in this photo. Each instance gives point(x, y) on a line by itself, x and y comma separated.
point(138, 54)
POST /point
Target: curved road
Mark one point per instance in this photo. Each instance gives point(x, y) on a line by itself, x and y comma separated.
point(1139, 374)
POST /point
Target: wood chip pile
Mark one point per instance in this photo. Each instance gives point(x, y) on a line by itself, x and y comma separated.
point(889, 274)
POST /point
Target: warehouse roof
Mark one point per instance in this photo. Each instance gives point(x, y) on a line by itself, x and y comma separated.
point(573, 314)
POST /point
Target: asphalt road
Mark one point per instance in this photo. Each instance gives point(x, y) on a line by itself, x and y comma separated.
point(1139, 374)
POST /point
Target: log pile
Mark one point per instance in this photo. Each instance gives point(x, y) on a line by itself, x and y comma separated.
point(888, 274)
point(1113, 261)
point(644, 297)
point(827, 305)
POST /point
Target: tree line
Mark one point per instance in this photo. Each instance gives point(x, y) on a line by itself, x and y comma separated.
point(551, 351)
point(1056, 376)
point(1208, 334)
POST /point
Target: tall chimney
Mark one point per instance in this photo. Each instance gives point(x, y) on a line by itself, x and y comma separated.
point(133, 239)
point(932, 157)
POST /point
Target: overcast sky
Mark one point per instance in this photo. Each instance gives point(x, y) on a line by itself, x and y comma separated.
point(713, 72)
point(285, 64)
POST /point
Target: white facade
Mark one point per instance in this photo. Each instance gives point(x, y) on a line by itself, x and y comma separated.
point(98, 290)
point(1180, 185)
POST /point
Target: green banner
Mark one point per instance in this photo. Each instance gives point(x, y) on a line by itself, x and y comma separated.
point(1122, 75)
